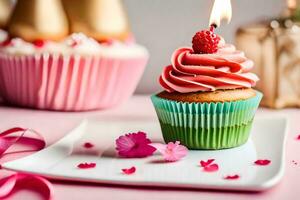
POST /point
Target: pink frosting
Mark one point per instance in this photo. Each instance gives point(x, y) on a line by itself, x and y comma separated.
point(226, 69)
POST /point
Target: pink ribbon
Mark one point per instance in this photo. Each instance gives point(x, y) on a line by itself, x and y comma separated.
point(34, 141)
point(9, 185)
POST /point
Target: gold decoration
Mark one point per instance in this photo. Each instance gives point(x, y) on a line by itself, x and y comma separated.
point(38, 19)
point(100, 19)
point(5, 10)
point(274, 49)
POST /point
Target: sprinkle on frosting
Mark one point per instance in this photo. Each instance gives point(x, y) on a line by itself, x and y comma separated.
point(225, 69)
point(76, 43)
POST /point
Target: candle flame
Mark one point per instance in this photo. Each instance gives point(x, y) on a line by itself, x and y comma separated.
point(291, 4)
point(221, 10)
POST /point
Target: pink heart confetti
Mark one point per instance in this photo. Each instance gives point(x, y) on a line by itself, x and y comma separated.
point(262, 162)
point(129, 171)
point(206, 163)
point(88, 145)
point(211, 168)
point(86, 165)
point(232, 177)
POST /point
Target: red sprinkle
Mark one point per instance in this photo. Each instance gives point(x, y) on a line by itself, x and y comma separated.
point(211, 168)
point(106, 42)
point(39, 43)
point(233, 177)
point(206, 163)
point(86, 165)
point(88, 145)
point(6, 43)
point(129, 171)
point(262, 162)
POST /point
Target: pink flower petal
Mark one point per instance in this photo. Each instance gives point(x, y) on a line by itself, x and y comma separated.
point(262, 162)
point(129, 171)
point(172, 151)
point(86, 165)
point(232, 177)
point(211, 168)
point(134, 145)
point(298, 137)
point(159, 147)
point(206, 163)
point(88, 145)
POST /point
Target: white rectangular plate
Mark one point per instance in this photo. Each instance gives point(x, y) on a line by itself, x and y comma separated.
point(60, 160)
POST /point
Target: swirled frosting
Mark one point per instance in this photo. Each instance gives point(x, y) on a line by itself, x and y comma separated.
point(225, 69)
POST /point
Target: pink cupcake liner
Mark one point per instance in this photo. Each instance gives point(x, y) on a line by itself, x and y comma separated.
point(68, 83)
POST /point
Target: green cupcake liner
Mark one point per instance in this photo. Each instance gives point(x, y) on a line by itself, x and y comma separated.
point(206, 125)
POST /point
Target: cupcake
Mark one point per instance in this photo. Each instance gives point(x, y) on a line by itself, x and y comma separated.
point(208, 101)
point(45, 65)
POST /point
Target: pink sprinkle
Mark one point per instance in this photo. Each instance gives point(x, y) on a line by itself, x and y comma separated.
point(129, 171)
point(88, 145)
point(233, 177)
point(211, 168)
point(86, 165)
point(262, 162)
point(206, 163)
point(294, 162)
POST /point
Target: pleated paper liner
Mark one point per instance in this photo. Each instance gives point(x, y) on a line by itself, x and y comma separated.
point(206, 125)
point(68, 83)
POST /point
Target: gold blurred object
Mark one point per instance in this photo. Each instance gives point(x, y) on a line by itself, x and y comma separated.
point(5, 11)
point(100, 19)
point(274, 47)
point(291, 7)
point(38, 19)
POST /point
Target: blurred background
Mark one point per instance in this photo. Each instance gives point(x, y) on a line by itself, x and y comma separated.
point(164, 25)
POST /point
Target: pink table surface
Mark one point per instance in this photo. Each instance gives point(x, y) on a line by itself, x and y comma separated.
point(54, 125)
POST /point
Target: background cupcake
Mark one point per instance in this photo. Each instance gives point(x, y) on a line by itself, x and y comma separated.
point(208, 102)
point(43, 65)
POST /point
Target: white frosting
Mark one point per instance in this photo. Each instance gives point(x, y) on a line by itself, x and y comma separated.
point(3, 35)
point(77, 43)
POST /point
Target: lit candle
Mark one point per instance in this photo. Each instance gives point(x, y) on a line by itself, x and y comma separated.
point(221, 11)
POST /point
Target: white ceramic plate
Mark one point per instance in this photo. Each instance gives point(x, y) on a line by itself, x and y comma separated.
point(59, 161)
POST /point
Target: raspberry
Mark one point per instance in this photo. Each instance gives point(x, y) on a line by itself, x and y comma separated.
point(205, 41)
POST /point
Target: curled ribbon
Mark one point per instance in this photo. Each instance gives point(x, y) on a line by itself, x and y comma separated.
point(20, 181)
point(35, 142)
